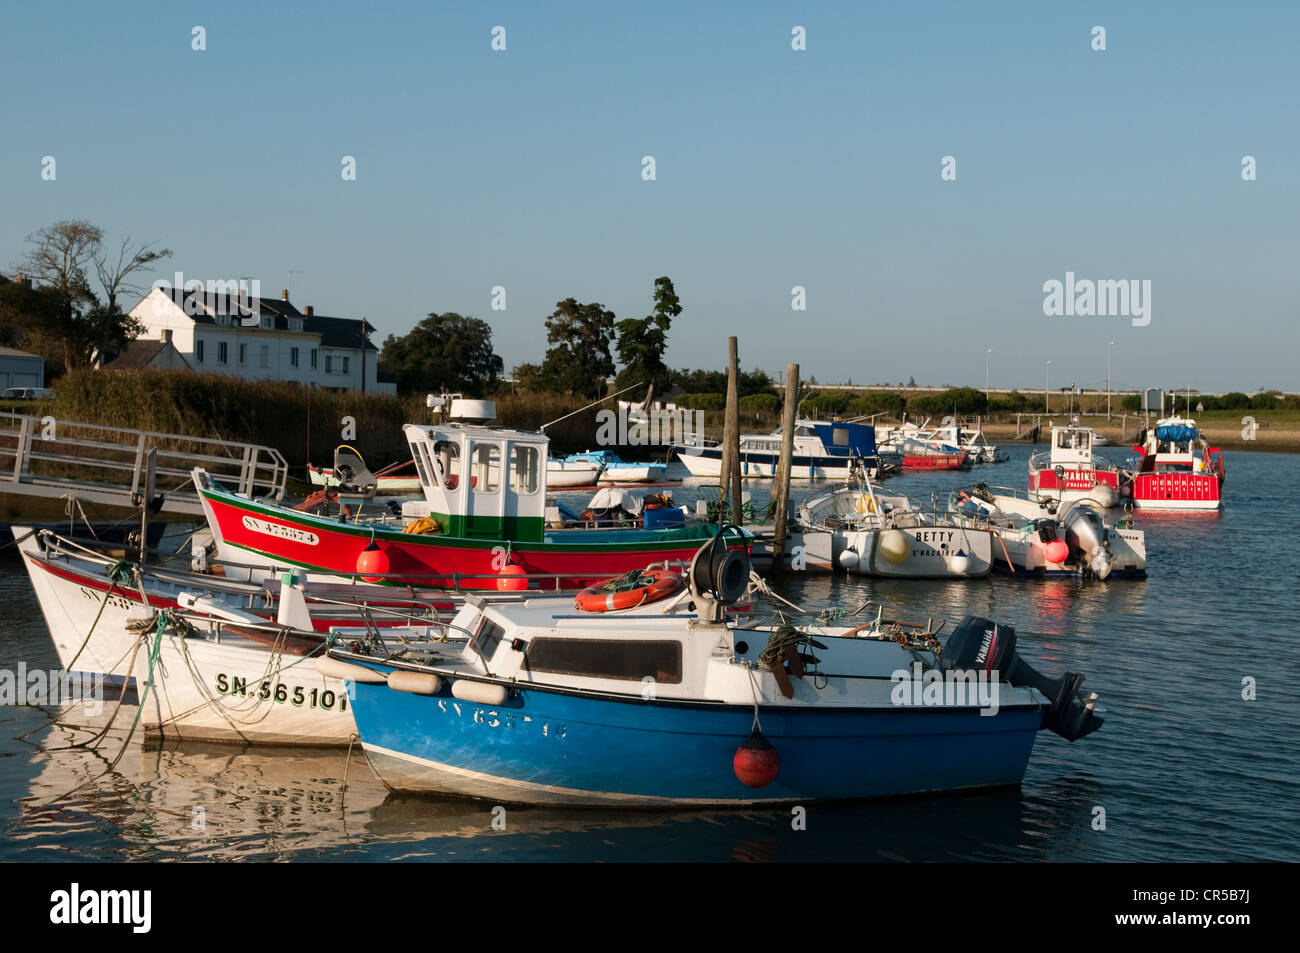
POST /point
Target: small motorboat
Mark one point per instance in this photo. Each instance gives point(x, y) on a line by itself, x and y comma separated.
point(557, 703)
point(396, 479)
point(616, 470)
point(564, 472)
point(1041, 536)
point(866, 533)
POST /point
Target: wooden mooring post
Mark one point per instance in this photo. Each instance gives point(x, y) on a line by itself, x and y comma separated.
point(781, 490)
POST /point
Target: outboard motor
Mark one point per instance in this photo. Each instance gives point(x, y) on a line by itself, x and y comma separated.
point(983, 645)
point(1085, 532)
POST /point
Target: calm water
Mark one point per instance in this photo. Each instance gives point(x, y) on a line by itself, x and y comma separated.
point(1184, 768)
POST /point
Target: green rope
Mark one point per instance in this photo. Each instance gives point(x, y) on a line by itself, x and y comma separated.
point(120, 571)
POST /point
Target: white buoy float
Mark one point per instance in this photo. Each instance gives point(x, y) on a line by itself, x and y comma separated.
point(849, 558)
point(481, 692)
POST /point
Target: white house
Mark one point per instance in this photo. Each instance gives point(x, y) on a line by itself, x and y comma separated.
point(256, 338)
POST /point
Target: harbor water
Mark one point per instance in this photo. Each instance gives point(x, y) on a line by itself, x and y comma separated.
point(1197, 759)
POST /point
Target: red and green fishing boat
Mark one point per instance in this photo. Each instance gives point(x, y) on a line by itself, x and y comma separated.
point(481, 525)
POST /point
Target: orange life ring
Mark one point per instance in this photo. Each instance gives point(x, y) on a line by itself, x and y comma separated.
point(661, 583)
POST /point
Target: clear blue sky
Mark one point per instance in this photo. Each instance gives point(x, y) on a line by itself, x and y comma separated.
point(775, 168)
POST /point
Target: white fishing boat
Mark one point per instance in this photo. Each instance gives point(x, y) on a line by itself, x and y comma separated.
point(1038, 535)
point(202, 665)
point(905, 542)
point(867, 533)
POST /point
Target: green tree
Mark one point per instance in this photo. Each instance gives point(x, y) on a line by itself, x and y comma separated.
point(642, 341)
point(60, 256)
point(578, 362)
point(444, 350)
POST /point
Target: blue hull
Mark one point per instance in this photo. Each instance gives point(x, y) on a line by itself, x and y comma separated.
point(545, 747)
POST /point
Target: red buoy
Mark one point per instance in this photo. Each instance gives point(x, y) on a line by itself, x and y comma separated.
point(1056, 552)
point(756, 762)
point(511, 578)
point(372, 563)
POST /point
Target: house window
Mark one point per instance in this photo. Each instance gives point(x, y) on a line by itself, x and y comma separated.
point(329, 364)
point(221, 352)
point(268, 322)
point(243, 354)
point(198, 350)
point(313, 359)
point(293, 357)
point(295, 324)
point(266, 355)
point(345, 365)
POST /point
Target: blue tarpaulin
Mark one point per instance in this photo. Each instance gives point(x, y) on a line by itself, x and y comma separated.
point(1178, 433)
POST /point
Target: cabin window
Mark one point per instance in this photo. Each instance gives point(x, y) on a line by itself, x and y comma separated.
point(630, 659)
point(486, 639)
point(840, 436)
point(486, 474)
point(805, 432)
point(417, 454)
point(446, 463)
point(523, 469)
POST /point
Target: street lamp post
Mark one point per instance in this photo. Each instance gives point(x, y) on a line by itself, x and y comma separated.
point(987, 352)
point(1046, 384)
point(1108, 347)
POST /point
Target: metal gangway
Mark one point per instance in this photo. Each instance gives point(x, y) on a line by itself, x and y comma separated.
point(57, 459)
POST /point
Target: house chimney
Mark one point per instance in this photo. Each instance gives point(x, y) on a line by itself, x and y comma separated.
point(284, 295)
point(309, 311)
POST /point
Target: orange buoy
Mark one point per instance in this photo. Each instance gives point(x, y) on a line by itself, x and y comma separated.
point(511, 578)
point(372, 563)
point(756, 763)
point(655, 585)
point(1056, 552)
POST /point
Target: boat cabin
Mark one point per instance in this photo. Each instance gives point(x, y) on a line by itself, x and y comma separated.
point(1072, 447)
point(480, 482)
point(834, 438)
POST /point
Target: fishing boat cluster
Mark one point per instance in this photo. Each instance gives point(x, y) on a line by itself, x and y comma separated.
point(482, 640)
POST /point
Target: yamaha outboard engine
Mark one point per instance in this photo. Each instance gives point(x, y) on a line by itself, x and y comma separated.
point(983, 645)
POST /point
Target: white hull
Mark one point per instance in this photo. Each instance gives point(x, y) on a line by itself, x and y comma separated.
point(187, 699)
point(634, 473)
point(932, 553)
point(560, 474)
point(701, 466)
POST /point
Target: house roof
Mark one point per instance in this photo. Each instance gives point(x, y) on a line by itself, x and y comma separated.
point(14, 352)
point(339, 332)
point(334, 332)
point(142, 354)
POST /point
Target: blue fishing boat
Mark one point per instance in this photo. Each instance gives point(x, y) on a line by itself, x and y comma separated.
point(822, 450)
point(647, 692)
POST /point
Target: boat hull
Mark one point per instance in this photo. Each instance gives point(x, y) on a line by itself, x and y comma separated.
point(575, 558)
point(931, 552)
point(548, 747)
point(707, 462)
point(1177, 491)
